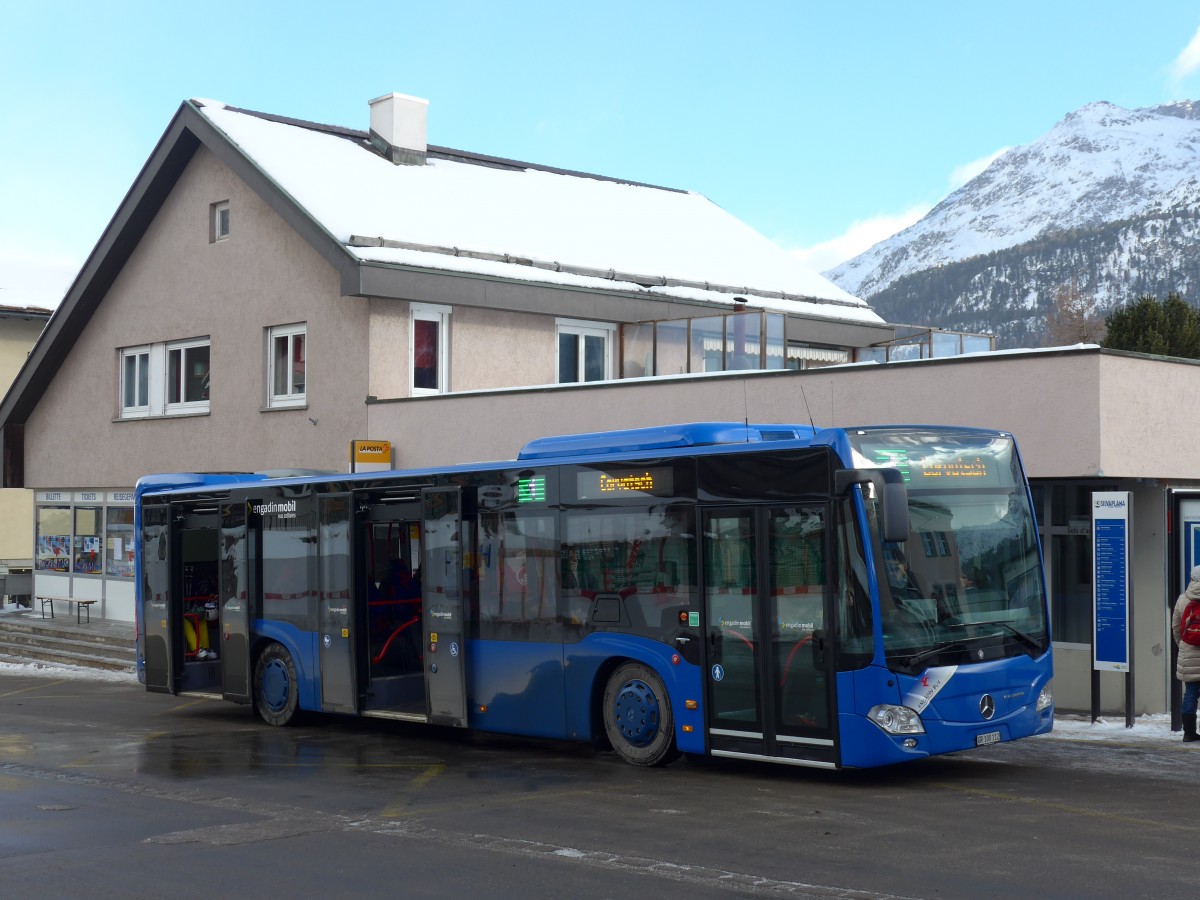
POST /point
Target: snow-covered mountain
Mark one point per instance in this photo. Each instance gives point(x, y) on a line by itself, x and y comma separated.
point(1107, 200)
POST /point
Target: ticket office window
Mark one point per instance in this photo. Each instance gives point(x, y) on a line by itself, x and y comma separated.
point(118, 542)
point(87, 555)
point(85, 540)
point(53, 552)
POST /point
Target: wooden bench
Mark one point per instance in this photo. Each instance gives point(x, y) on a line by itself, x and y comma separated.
point(81, 607)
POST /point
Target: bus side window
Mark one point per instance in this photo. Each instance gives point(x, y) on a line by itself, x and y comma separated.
point(517, 579)
point(641, 559)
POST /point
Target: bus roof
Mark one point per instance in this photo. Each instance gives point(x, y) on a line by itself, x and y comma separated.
point(685, 439)
point(661, 437)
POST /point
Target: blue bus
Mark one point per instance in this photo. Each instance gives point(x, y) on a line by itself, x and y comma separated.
point(813, 597)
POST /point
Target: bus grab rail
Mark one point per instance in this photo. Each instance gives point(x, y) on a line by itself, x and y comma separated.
point(892, 494)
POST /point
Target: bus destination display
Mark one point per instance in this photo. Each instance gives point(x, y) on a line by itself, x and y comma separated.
point(595, 484)
point(945, 465)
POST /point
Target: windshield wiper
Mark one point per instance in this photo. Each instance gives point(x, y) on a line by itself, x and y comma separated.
point(917, 658)
point(1025, 640)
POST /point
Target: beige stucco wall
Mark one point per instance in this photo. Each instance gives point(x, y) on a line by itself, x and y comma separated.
point(1148, 421)
point(17, 336)
point(177, 285)
point(495, 349)
point(488, 349)
point(16, 525)
point(1050, 402)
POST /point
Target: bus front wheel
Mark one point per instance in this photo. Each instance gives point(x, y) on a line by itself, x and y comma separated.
point(637, 716)
point(275, 688)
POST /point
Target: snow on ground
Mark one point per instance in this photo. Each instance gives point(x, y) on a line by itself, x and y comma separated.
point(66, 673)
point(1152, 729)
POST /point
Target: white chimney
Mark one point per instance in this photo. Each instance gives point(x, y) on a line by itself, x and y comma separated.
point(398, 128)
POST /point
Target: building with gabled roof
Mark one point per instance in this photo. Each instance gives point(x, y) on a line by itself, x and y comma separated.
point(267, 282)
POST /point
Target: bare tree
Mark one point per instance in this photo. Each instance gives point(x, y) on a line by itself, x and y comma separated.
point(1072, 319)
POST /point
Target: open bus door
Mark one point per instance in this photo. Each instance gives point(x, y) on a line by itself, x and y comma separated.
point(444, 601)
point(767, 600)
point(233, 600)
point(163, 656)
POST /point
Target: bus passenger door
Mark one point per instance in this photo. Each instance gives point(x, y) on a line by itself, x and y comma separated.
point(233, 604)
point(770, 685)
point(336, 623)
point(443, 601)
point(162, 654)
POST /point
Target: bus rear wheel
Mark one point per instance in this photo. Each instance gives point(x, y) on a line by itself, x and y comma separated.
point(637, 716)
point(275, 686)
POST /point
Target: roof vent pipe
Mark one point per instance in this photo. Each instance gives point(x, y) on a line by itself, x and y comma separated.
point(398, 128)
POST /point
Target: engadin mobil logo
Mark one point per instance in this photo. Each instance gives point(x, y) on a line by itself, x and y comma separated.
point(921, 694)
point(282, 509)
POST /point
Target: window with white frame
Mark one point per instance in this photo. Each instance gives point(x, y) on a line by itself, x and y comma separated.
point(163, 379)
point(285, 365)
point(428, 340)
point(135, 382)
point(187, 376)
point(218, 222)
point(584, 351)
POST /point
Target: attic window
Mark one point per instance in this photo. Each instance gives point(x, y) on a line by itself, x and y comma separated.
point(219, 222)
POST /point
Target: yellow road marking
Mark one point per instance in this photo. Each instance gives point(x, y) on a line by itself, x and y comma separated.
point(191, 703)
point(430, 773)
point(34, 687)
point(14, 745)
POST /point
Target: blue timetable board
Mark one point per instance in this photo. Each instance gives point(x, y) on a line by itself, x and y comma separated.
point(1110, 580)
point(1191, 558)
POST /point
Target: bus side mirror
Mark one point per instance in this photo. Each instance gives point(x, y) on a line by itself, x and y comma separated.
point(892, 495)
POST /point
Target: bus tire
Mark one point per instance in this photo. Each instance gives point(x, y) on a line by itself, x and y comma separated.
point(637, 716)
point(276, 688)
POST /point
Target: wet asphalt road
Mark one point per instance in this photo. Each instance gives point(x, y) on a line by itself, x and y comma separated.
point(107, 791)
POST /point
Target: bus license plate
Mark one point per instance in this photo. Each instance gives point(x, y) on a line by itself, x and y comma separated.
point(990, 737)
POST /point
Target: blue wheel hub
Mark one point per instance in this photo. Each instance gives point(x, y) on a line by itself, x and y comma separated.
point(635, 710)
point(276, 685)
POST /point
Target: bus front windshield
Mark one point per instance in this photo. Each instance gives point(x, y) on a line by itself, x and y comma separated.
point(966, 586)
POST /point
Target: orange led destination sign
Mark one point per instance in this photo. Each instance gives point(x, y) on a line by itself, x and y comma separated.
point(961, 468)
point(595, 485)
point(615, 484)
point(976, 469)
point(943, 461)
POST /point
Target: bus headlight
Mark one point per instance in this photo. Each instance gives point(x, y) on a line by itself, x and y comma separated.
point(896, 719)
point(1046, 696)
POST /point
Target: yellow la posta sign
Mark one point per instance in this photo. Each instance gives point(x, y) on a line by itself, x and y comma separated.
point(370, 456)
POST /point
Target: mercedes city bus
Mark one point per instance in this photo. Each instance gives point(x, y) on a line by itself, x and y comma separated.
point(815, 597)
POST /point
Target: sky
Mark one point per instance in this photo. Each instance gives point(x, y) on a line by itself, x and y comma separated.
point(826, 127)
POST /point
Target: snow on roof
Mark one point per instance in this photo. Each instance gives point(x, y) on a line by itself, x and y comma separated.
point(546, 216)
